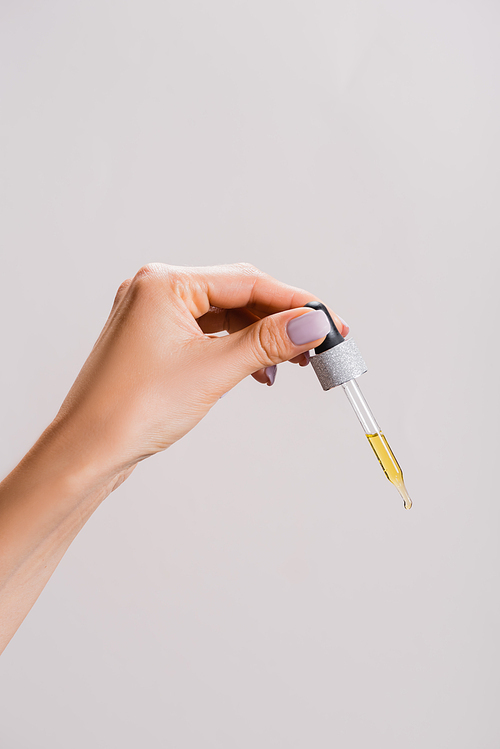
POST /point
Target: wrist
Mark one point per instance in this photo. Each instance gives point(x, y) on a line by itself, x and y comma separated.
point(44, 502)
point(78, 454)
point(59, 471)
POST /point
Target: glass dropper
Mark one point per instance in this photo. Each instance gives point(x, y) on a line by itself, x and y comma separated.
point(377, 440)
point(338, 361)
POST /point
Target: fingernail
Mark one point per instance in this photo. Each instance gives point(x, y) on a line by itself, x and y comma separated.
point(308, 356)
point(308, 327)
point(346, 326)
point(271, 374)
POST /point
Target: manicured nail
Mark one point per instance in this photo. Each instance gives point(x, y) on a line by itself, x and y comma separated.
point(308, 327)
point(346, 326)
point(308, 357)
point(271, 374)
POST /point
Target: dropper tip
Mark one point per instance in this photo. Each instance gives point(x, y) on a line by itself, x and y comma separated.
point(406, 497)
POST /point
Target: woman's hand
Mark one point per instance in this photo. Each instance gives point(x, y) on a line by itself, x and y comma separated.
point(155, 370)
point(153, 373)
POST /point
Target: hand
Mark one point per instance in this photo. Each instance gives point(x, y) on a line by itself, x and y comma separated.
point(153, 373)
point(155, 370)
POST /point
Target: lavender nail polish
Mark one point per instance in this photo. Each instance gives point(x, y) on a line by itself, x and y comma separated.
point(308, 327)
point(271, 374)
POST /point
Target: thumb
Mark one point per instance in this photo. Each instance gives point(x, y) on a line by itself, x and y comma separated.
point(274, 339)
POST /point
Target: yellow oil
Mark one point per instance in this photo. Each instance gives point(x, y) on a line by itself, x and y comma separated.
point(389, 464)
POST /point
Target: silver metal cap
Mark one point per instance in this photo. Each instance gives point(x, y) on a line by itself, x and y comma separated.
point(338, 364)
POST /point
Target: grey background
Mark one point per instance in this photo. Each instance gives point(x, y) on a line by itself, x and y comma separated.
point(260, 585)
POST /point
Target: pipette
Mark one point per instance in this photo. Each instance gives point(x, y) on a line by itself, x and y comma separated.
point(338, 361)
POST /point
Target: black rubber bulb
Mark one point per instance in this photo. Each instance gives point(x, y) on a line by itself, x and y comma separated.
point(333, 338)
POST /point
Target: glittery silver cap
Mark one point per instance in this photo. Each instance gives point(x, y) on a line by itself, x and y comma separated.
point(338, 364)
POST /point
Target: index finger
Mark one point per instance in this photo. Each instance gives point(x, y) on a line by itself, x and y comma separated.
point(243, 286)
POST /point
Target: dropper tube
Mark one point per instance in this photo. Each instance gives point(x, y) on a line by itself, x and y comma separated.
point(377, 440)
point(361, 407)
point(338, 361)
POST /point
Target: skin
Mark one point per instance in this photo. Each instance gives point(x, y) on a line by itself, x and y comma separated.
point(154, 372)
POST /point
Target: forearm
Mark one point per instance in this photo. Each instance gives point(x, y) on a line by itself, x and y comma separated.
point(44, 503)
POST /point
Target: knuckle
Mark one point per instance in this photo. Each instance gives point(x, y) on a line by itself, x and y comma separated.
point(123, 287)
point(270, 346)
point(121, 291)
point(151, 276)
point(148, 271)
point(248, 268)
